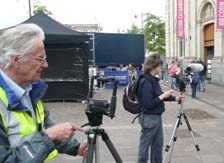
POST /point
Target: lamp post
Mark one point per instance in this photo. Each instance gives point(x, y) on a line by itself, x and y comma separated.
point(142, 21)
point(29, 8)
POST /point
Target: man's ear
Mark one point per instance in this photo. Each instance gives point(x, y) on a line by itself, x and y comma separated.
point(15, 61)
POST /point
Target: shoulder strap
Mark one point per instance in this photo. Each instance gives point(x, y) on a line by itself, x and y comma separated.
point(149, 77)
point(138, 81)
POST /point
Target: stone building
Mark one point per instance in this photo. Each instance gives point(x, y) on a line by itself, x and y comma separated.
point(85, 27)
point(201, 37)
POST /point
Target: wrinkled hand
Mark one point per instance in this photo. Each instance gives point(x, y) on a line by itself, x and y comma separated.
point(62, 132)
point(83, 149)
point(166, 94)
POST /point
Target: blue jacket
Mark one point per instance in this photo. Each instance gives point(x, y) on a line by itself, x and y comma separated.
point(149, 92)
point(40, 143)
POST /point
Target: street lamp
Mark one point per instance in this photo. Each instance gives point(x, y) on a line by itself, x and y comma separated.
point(142, 21)
point(29, 8)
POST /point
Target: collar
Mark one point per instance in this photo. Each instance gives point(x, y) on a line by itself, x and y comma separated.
point(150, 76)
point(36, 92)
point(19, 91)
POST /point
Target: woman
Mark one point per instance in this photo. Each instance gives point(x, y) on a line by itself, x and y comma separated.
point(172, 68)
point(152, 97)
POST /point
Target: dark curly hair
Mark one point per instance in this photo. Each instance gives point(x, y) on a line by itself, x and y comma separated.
point(152, 62)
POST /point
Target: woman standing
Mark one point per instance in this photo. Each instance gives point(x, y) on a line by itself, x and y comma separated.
point(152, 98)
point(172, 68)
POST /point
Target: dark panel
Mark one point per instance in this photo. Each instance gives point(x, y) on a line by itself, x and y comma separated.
point(115, 49)
point(67, 61)
point(66, 91)
point(67, 73)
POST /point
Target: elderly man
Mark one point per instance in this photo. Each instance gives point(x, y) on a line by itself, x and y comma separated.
point(26, 132)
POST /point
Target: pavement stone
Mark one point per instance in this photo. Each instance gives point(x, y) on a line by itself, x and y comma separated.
point(205, 115)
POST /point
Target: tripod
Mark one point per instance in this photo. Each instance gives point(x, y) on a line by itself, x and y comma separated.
point(95, 111)
point(173, 137)
point(92, 135)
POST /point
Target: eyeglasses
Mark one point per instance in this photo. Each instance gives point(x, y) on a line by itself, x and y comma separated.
point(41, 59)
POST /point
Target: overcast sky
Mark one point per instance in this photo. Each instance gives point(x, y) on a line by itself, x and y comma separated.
point(110, 14)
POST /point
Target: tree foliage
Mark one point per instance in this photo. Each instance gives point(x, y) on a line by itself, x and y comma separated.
point(134, 30)
point(154, 31)
point(39, 7)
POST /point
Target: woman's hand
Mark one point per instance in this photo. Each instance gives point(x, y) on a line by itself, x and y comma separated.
point(166, 95)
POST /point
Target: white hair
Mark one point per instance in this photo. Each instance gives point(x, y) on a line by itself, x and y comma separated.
point(18, 41)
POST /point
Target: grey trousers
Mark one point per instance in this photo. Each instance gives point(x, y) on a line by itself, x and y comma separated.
point(151, 136)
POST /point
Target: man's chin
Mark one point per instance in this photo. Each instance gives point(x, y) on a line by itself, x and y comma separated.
point(36, 79)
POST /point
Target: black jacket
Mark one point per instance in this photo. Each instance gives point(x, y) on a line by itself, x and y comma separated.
point(148, 92)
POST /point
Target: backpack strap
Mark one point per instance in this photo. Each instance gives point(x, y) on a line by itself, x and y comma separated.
point(138, 81)
point(133, 121)
point(149, 79)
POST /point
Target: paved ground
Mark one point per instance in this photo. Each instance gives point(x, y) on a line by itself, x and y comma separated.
point(205, 114)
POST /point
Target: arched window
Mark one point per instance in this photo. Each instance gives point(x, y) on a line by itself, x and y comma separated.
point(207, 11)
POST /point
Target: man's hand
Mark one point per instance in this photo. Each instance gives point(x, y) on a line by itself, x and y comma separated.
point(83, 149)
point(62, 132)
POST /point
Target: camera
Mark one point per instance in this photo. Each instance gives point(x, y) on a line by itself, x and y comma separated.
point(97, 108)
point(182, 81)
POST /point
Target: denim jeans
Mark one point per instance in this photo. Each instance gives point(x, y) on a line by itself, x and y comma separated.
point(164, 75)
point(201, 85)
point(173, 83)
point(151, 136)
point(193, 89)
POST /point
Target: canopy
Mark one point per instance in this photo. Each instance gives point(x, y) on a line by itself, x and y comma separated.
point(55, 32)
point(67, 74)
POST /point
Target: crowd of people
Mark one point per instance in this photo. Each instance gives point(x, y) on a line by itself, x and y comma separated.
point(170, 72)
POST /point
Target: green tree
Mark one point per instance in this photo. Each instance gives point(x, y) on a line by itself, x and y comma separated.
point(39, 7)
point(154, 31)
point(134, 30)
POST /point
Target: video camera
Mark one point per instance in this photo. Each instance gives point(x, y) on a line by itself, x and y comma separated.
point(185, 78)
point(97, 108)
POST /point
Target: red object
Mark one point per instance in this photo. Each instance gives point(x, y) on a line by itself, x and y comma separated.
point(180, 19)
point(220, 14)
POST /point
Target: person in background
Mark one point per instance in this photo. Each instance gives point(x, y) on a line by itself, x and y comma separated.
point(152, 98)
point(124, 68)
point(131, 73)
point(172, 68)
point(194, 82)
point(164, 72)
point(27, 134)
point(178, 69)
point(202, 85)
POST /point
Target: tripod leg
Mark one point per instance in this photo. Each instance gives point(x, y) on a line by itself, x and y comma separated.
point(110, 146)
point(173, 138)
point(97, 150)
point(192, 134)
point(91, 147)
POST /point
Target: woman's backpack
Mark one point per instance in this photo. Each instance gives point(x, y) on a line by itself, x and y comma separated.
point(131, 102)
point(130, 99)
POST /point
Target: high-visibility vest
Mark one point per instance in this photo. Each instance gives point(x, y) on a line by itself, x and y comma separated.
point(23, 125)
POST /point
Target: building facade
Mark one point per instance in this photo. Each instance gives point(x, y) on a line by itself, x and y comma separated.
point(84, 27)
point(201, 37)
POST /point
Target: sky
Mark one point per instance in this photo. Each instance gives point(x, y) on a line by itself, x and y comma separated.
point(111, 15)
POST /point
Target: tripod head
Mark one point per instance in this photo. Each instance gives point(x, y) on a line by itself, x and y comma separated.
point(97, 108)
